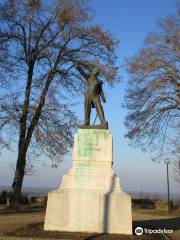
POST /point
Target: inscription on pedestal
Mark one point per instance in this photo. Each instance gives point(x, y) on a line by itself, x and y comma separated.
point(93, 145)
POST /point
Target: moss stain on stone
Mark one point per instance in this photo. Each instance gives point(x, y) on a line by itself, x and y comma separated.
point(87, 147)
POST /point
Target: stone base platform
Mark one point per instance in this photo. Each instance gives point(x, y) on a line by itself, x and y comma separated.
point(90, 198)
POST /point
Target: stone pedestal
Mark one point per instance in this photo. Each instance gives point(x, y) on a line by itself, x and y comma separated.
point(90, 198)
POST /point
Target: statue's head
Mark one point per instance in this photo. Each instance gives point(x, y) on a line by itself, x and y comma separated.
point(95, 71)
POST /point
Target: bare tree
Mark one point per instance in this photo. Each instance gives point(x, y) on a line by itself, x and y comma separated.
point(153, 94)
point(177, 171)
point(39, 43)
point(29, 167)
point(175, 158)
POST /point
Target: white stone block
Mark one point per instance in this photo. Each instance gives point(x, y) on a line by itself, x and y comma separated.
point(90, 198)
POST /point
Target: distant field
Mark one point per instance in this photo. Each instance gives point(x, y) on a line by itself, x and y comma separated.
point(134, 194)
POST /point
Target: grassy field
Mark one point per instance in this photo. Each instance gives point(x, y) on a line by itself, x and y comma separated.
point(29, 224)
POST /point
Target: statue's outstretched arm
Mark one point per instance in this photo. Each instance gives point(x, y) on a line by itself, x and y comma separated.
point(81, 71)
point(88, 66)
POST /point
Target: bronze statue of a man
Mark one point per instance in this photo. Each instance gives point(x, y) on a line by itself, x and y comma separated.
point(93, 95)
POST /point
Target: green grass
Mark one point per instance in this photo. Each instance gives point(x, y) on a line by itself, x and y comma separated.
point(156, 212)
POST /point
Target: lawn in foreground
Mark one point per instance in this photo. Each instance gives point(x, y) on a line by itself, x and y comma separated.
point(30, 224)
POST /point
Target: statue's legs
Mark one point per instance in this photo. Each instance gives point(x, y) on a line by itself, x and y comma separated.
point(99, 109)
point(87, 106)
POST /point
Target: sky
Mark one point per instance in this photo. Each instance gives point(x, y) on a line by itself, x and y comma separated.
point(129, 21)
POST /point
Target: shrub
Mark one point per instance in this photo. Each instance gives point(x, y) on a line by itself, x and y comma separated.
point(3, 197)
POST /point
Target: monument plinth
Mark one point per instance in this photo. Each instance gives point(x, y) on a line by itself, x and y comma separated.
point(90, 198)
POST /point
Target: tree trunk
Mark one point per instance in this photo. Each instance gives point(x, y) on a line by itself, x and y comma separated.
point(26, 135)
point(19, 176)
point(22, 146)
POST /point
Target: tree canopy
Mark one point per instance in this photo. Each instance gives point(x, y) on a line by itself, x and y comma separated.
point(40, 41)
point(43, 40)
point(153, 93)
